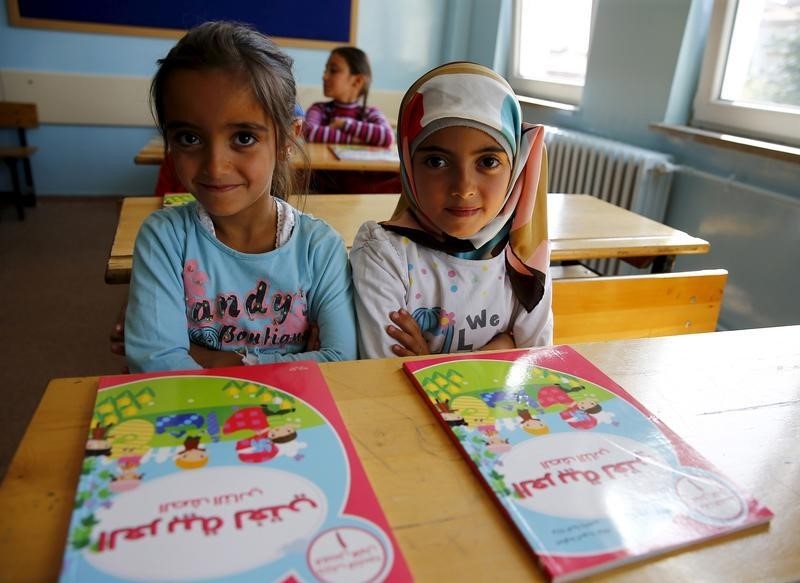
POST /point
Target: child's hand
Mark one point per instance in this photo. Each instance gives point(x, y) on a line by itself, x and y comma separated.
point(338, 123)
point(504, 341)
point(408, 334)
point(313, 344)
point(208, 358)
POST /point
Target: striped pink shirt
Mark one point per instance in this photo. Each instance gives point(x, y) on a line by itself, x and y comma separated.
point(371, 129)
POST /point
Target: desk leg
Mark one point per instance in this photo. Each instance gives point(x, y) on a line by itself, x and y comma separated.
point(663, 264)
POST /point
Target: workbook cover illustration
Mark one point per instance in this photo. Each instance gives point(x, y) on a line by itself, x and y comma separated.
point(177, 199)
point(236, 474)
point(590, 477)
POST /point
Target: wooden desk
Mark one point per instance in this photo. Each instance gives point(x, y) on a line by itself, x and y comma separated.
point(734, 396)
point(152, 153)
point(344, 212)
point(581, 227)
point(320, 157)
point(585, 227)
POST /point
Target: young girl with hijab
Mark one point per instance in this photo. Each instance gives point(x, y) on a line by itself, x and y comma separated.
point(463, 263)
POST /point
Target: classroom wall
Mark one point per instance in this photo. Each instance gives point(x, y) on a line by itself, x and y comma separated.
point(98, 160)
point(643, 69)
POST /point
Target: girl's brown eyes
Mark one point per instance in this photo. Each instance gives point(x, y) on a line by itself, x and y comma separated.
point(186, 139)
point(435, 162)
point(490, 162)
point(244, 139)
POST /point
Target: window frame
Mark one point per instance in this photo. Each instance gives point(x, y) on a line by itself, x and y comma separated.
point(548, 90)
point(711, 112)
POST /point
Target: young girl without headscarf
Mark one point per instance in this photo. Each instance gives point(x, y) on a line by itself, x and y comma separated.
point(463, 262)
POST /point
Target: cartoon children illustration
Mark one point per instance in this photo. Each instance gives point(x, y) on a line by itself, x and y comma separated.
point(257, 448)
point(493, 440)
point(128, 477)
point(192, 456)
point(531, 424)
point(283, 433)
point(452, 418)
point(577, 414)
point(98, 444)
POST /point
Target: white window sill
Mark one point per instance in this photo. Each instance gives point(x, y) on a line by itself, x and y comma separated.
point(731, 142)
point(546, 103)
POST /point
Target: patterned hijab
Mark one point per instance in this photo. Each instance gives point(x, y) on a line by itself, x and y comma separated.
point(467, 94)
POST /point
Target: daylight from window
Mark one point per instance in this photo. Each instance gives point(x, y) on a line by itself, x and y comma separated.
point(763, 64)
point(555, 52)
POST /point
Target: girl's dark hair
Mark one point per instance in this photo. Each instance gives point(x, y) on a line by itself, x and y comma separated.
point(358, 62)
point(240, 49)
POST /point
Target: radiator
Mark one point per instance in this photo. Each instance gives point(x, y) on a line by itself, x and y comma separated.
point(633, 178)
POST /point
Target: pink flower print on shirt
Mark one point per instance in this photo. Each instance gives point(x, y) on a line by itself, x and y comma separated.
point(194, 281)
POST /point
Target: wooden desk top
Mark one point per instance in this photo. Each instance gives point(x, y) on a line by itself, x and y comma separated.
point(320, 157)
point(734, 396)
point(585, 227)
point(581, 227)
point(152, 153)
point(344, 212)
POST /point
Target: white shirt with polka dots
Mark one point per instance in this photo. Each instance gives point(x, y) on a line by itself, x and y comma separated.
point(460, 304)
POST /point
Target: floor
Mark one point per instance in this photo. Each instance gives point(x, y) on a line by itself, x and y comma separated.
point(55, 306)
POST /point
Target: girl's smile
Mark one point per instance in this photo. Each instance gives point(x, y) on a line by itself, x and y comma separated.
point(461, 176)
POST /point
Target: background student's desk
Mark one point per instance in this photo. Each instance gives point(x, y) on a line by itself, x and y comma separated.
point(734, 396)
point(581, 227)
point(320, 157)
point(344, 212)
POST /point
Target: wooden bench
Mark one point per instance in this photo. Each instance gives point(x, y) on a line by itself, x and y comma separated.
point(637, 306)
point(22, 117)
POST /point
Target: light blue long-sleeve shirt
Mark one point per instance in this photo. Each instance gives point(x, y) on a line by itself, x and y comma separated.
point(186, 286)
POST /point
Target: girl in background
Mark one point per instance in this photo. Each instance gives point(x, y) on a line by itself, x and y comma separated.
point(239, 276)
point(345, 120)
point(463, 263)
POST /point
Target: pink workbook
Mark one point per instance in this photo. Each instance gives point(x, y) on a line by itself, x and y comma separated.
point(591, 478)
point(237, 474)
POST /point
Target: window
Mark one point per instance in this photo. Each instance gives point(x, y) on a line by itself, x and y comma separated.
point(750, 81)
point(549, 61)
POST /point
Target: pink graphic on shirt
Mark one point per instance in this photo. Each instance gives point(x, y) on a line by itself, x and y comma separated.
point(194, 281)
point(260, 318)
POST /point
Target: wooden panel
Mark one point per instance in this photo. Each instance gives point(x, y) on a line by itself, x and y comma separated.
point(19, 152)
point(77, 99)
point(91, 99)
point(638, 306)
point(18, 115)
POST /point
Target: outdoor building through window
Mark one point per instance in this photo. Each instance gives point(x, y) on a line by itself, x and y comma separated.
point(750, 80)
point(549, 62)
